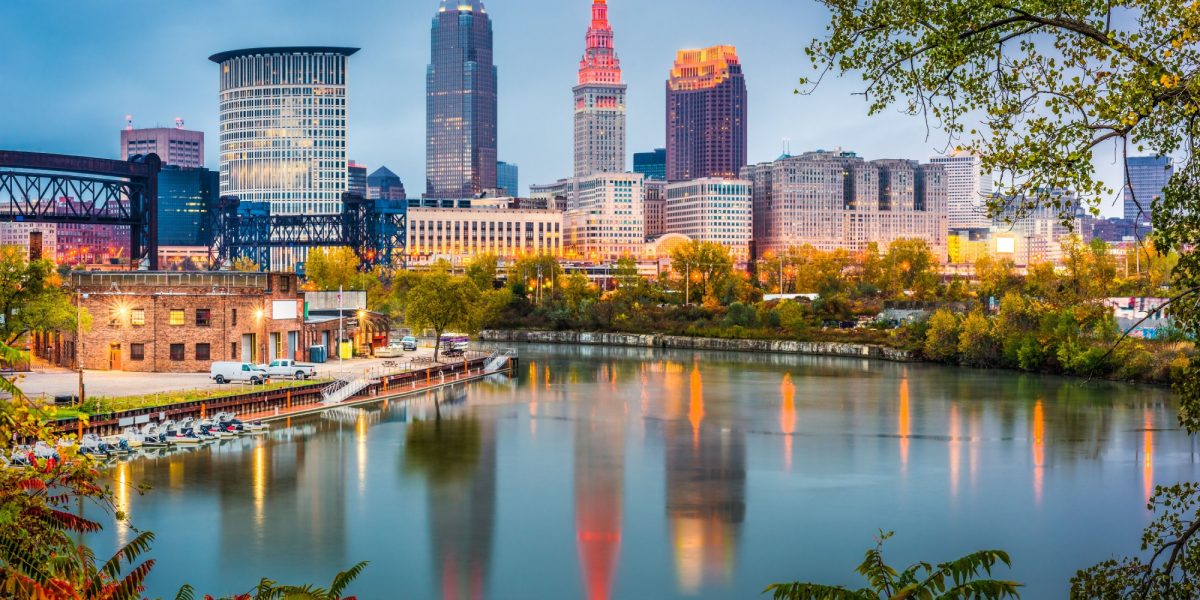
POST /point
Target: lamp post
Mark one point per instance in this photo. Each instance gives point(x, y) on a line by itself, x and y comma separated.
point(79, 341)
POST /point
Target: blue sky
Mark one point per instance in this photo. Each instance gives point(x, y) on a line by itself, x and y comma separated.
point(74, 69)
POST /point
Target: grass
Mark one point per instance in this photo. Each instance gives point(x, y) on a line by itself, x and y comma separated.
point(104, 405)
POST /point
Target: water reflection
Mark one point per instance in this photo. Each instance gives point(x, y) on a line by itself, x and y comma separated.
point(706, 490)
point(1039, 450)
point(599, 489)
point(787, 417)
point(455, 453)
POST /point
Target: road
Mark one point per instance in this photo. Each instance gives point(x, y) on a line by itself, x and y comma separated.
point(60, 382)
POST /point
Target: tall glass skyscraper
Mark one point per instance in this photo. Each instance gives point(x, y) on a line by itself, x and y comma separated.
point(599, 101)
point(283, 131)
point(460, 109)
point(508, 178)
point(1148, 175)
point(706, 115)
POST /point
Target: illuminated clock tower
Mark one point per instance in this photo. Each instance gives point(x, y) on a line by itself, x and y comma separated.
point(599, 102)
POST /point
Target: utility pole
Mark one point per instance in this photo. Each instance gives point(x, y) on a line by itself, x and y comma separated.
point(341, 361)
point(79, 341)
point(687, 284)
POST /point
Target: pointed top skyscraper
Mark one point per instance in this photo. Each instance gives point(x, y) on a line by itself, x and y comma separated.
point(460, 153)
point(599, 101)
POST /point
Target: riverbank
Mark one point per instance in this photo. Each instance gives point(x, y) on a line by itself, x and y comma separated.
point(839, 349)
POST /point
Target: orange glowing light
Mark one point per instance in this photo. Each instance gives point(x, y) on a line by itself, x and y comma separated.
point(787, 416)
point(1039, 450)
point(904, 424)
point(696, 403)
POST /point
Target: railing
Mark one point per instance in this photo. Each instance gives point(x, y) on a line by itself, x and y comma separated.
point(499, 359)
point(343, 389)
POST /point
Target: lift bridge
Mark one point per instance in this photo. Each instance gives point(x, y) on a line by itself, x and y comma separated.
point(79, 190)
point(375, 229)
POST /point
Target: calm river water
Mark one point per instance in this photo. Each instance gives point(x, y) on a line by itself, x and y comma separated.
point(623, 473)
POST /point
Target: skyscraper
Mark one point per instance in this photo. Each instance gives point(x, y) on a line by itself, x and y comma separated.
point(706, 115)
point(383, 184)
point(599, 101)
point(283, 131)
point(185, 198)
point(460, 106)
point(651, 164)
point(1148, 175)
point(175, 146)
point(969, 188)
point(356, 179)
point(508, 177)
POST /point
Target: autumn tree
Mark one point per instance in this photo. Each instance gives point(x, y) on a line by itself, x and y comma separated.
point(909, 266)
point(332, 268)
point(482, 270)
point(32, 297)
point(1037, 89)
point(704, 268)
point(245, 264)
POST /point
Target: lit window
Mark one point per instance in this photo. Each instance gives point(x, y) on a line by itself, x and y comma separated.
point(137, 316)
point(177, 317)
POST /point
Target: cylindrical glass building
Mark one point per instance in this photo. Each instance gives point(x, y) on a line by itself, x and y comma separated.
point(283, 127)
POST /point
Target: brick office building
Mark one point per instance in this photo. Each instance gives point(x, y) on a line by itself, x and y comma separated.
point(182, 322)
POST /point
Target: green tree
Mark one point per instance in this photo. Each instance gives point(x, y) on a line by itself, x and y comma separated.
point(704, 268)
point(909, 267)
point(577, 293)
point(330, 269)
point(941, 339)
point(976, 344)
point(32, 297)
point(440, 301)
point(996, 276)
point(482, 270)
point(967, 578)
point(526, 273)
point(792, 316)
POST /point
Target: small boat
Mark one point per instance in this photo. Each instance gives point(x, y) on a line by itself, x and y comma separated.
point(229, 422)
point(151, 437)
point(216, 430)
point(92, 445)
point(184, 432)
point(124, 442)
point(43, 451)
point(21, 457)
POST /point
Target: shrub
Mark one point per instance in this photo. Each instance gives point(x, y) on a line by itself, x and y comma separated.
point(941, 339)
point(976, 344)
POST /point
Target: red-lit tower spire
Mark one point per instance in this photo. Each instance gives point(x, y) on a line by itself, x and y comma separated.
point(599, 101)
point(600, 63)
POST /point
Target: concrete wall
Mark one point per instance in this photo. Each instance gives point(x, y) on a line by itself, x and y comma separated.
point(694, 343)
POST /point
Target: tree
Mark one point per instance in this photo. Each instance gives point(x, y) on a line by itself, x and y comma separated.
point(941, 340)
point(245, 265)
point(577, 292)
point(482, 271)
point(440, 301)
point(534, 274)
point(996, 276)
point(32, 297)
point(330, 269)
point(706, 265)
point(909, 267)
point(976, 344)
point(959, 579)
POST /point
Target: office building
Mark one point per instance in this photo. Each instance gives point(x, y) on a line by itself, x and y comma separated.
point(37, 241)
point(1038, 235)
point(383, 184)
point(508, 178)
point(654, 208)
point(185, 199)
point(712, 210)
point(1148, 176)
point(175, 146)
point(457, 234)
point(460, 154)
point(651, 164)
point(969, 187)
point(283, 131)
point(356, 179)
point(706, 115)
point(832, 200)
point(599, 101)
point(603, 214)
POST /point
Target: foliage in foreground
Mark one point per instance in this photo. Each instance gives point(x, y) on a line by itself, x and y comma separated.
point(40, 521)
point(965, 578)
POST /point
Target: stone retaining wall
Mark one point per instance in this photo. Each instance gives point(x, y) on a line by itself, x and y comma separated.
point(698, 343)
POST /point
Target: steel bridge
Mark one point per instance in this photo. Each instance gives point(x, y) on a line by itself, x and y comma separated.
point(79, 190)
point(375, 229)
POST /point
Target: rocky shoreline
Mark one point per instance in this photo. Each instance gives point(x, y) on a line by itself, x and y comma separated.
point(871, 351)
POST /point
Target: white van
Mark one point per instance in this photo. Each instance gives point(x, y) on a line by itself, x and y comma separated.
point(225, 372)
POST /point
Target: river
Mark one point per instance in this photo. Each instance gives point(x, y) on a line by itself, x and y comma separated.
point(634, 473)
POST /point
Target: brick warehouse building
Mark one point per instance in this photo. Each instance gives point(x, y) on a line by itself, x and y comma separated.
point(181, 322)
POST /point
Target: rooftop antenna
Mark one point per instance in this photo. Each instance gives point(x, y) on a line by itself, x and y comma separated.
point(129, 122)
point(787, 146)
point(178, 122)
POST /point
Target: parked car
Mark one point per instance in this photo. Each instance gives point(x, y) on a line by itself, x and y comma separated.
point(228, 372)
point(286, 367)
point(408, 344)
point(389, 351)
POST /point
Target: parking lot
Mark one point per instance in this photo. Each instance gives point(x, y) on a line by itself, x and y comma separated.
point(62, 382)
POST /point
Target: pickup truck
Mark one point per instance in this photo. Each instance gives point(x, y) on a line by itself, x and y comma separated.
point(286, 367)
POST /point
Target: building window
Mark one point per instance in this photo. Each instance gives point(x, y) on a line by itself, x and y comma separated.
point(203, 352)
point(177, 317)
point(137, 316)
point(233, 317)
point(233, 350)
point(137, 352)
point(285, 284)
point(176, 351)
point(203, 317)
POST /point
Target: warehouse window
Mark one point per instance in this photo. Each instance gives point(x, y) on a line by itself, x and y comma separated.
point(137, 352)
point(203, 317)
point(137, 316)
point(203, 352)
point(176, 351)
point(177, 317)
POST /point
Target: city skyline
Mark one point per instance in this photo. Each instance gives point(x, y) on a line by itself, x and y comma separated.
point(387, 115)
